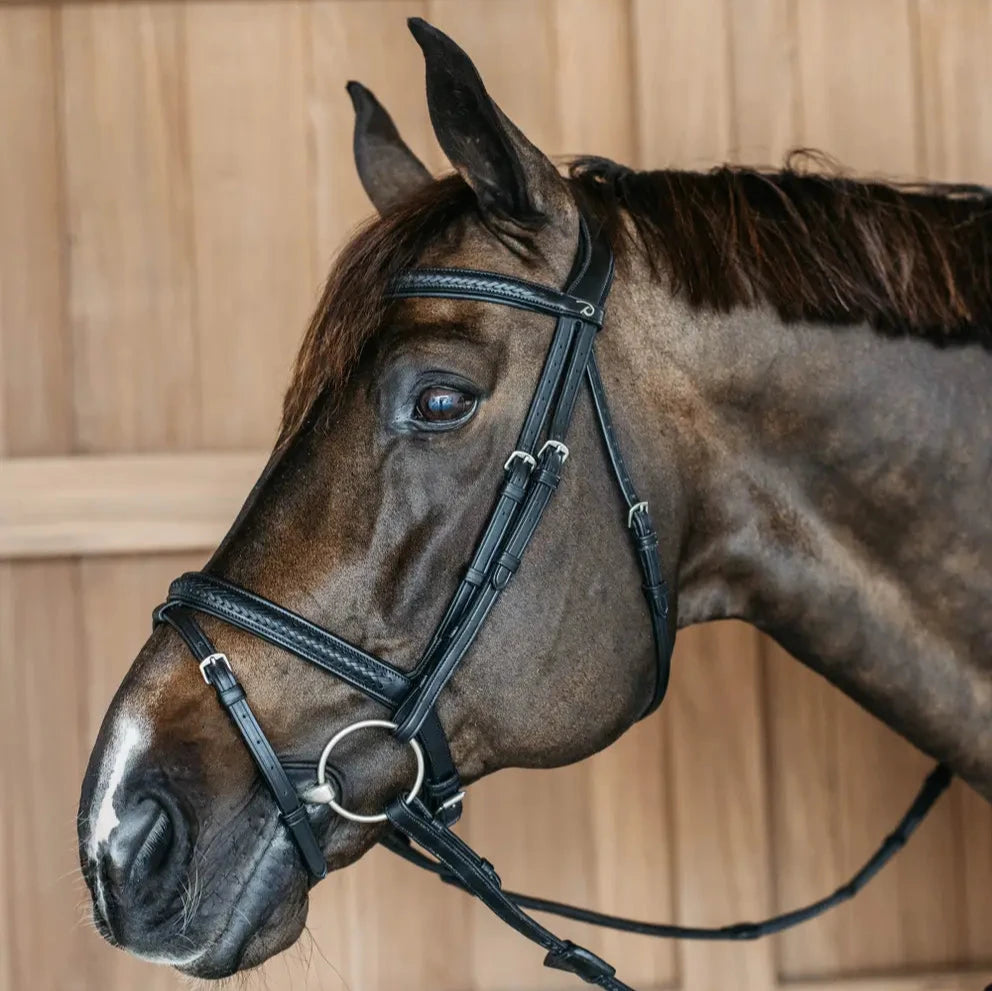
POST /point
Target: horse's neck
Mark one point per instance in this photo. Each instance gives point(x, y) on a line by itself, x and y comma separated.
point(837, 496)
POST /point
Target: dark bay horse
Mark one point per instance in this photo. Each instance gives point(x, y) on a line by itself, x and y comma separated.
point(800, 369)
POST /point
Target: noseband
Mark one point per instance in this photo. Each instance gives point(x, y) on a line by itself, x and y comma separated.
point(531, 476)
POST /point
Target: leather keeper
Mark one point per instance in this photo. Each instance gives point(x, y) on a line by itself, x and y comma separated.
point(515, 492)
point(474, 576)
point(294, 817)
point(231, 696)
point(657, 596)
point(549, 476)
point(509, 561)
point(501, 577)
point(579, 961)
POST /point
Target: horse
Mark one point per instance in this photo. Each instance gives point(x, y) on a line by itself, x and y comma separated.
point(798, 366)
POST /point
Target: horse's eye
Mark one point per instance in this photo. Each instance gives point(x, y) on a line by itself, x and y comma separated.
point(442, 404)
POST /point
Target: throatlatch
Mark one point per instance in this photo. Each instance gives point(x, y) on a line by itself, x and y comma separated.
point(531, 475)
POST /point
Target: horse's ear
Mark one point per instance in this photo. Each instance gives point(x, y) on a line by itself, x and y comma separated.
point(389, 171)
point(514, 181)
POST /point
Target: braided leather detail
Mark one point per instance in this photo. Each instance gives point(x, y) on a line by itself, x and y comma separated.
point(216, 597)
point(491, 287)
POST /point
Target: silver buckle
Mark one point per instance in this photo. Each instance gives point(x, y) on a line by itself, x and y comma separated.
point(217, 658)
point(638, 507)
point(555, 445)
point(523, 455)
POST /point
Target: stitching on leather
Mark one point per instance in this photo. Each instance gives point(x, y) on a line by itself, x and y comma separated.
point(505, 287)
point(476, 276)
point(218, 598)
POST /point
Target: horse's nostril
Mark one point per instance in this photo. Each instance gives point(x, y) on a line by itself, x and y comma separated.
point(141, 842)
point(155, 849)
point(138, 873)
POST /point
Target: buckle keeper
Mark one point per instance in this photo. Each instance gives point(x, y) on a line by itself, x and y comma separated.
point(579, 961)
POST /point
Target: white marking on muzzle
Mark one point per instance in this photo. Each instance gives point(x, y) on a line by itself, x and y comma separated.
point(103, 815)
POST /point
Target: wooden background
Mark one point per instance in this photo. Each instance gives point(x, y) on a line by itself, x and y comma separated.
point(174, 178)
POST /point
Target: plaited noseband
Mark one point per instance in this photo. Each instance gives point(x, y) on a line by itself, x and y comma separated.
point(531, 475)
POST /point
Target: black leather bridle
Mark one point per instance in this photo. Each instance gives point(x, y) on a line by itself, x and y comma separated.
point(531, 475)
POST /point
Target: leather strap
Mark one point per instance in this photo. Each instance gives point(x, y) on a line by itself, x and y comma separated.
point(933, 787)
point(217, 671)
point(477, 876)
point(512, 493)
point(645, 538)
point(507, 536)
point(217, 597)
point(491, 287)
point(418, 706)
point(517, 467)
point(288, 630)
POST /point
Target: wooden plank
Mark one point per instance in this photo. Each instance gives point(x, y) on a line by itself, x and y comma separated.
point(381, 924)
point(683, 83)
point(615, 855)
point(972, 860)
point(36, 415)
point(841, 780)
point(42, 764)
point(764, 81)
point(957, 980)
point(595, 95)
point(369, 42)
point(857, 83)
point(723, 857)
point(125, 504)
point(8, 906)
point(955, 38)
point(253, 228)
point(128, 203)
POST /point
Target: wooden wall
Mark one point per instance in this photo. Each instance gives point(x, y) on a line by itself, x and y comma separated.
point(174, 178)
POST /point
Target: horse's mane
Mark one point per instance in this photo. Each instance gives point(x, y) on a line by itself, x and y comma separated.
point(906, 258)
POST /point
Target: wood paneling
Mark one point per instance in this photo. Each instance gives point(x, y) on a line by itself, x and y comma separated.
point(858, 83)
point(839, 778)
point(175, 179)
point(129, 226)
point(591, 836)
point(253, 227)
point(955, 79)
point(36, 402)
point(7, 844)
point(42, 756)
point(764, 81)
point(596, 110)
point(720, 796)
point(124, 504)
point(683, 83)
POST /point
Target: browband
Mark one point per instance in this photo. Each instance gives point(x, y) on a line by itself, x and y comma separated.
point(490, 287)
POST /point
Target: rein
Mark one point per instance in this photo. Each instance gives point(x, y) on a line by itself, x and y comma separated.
point(531, 475)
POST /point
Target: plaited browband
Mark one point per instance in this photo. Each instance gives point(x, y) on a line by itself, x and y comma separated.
point(531, 475)
point(486, 287)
